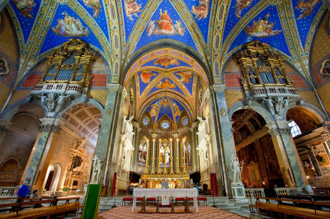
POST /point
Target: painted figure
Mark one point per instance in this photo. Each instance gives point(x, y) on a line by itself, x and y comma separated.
point(262, 28)
point(70, 27)
point(202, 10)
point(306, 8)
point(25, 7)
point(146, 75)
point(166, 61)
point(132, 8)
point(240, 5)
point(164, 26)
point(177, 110)
point(185, 76)
point(153, 110)
point(166, 84)
point(95, 4)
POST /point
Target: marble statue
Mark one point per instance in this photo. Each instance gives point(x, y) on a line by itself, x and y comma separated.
point(237, 169)
point(96, 170)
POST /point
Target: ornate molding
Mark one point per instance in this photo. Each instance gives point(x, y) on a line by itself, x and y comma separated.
point(113, 87)
point(279, 131)
point(155, 135)
point(219, 88)
point(50, 128)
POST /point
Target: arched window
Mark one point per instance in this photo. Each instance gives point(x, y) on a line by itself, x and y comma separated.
point(295, 130)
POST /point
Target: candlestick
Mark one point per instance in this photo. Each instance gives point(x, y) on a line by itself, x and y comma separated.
point(171, 151)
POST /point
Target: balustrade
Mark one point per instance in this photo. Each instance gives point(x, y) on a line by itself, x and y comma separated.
point(288, 191)
point(254, 193)
point(7, 191)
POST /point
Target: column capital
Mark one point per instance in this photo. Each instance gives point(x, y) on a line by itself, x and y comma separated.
point(51, 125)
point(219, 87)
point(137, 126)
point(113, 87)
point(154, 135)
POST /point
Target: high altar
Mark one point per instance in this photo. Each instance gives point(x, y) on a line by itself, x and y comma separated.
point(153, 179)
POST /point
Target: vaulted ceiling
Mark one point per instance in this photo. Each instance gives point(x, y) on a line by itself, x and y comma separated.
point(202, 35)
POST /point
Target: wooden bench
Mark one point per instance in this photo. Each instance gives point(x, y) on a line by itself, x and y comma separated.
point(68, 199)
point(44, 211)
point(127, 199)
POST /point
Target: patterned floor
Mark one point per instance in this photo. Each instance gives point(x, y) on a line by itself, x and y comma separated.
point(203, 212)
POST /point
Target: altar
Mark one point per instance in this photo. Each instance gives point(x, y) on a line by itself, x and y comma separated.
point(153, 193)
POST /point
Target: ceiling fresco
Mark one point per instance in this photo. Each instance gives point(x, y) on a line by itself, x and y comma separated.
point(67, 24)
point(165, 23)
point(237, 10)
point(266, 27)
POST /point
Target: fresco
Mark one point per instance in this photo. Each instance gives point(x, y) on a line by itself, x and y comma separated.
point(165, 26)
point(185, 76)
point(146, 75)
point(262, 28)
point(272, 35)
point(70, 27)
point(165, 84)
point(26, 11)
point(56, 36)
point(95, 4)
point(96, 10)
point(237, 10)
point(200, 10)
point(305, 12)
point(132, 9)
point(166, 61)
point(165, 23)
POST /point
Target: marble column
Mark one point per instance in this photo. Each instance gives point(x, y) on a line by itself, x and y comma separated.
point(37, 164)
point(193, 130)
point(136, 137)
point(159, 167)
point(171, 158)
point(104, 148)
point(287, 154)
point(153, 159)
point(225, 141)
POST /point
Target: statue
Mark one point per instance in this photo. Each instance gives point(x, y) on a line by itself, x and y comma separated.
point(307, 165)
point(128, 127)
point(236, 169)
point(96, 170)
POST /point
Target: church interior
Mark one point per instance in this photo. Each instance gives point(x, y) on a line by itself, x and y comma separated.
point(225, 98)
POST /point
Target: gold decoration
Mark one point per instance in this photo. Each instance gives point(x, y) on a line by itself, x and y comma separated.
point(108, 111)
point(325, 69)
point(223, 112)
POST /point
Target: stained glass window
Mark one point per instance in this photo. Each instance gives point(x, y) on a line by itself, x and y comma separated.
point(142, 153)
point(185, 121)
point(145, 121)
point(295, 130)
point(165, 125)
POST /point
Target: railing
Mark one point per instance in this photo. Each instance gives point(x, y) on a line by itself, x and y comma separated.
point(254, 193)
point(6, 191)
point(288, 191)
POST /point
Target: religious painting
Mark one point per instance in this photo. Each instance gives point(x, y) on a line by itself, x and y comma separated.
point(146, 75)
point(166, 61)
point(4, 69)
point(166, 84)
point(240, 5)
point(202, 10)
point(176, 109)
point(95, 4)
point(161, 155)
point(25, 7)
point(262, 28)
point(168, 154)
point(154, 108)
point(132, 8)
point(70, 27)
point(306, 7)
point(164, 26)
point(185, 76)
point(325, 69)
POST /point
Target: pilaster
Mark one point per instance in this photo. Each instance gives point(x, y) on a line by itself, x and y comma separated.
point(287, 154)
point(137, 130)
point(193, 130)
point(41, 150)
point(226, 145)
